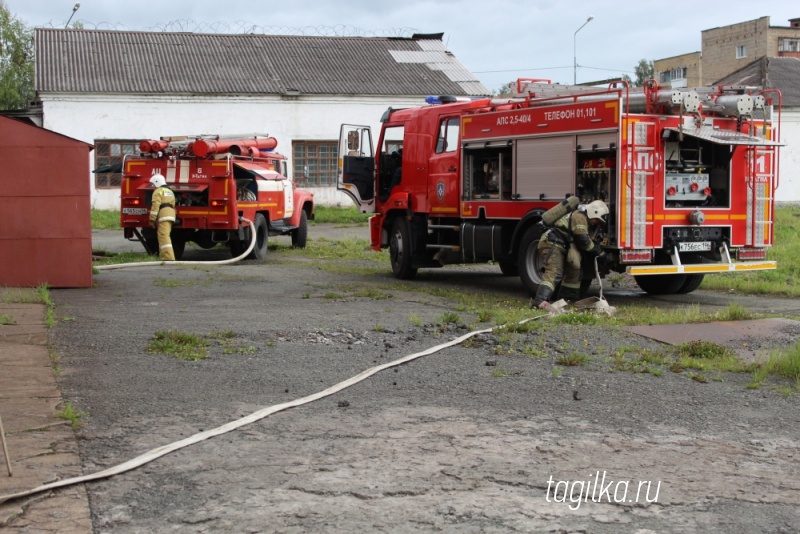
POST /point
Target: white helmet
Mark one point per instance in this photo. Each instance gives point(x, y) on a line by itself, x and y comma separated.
point(597, 210)
point(159, 181)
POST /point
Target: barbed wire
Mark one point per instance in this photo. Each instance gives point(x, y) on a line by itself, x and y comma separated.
point(244, 27)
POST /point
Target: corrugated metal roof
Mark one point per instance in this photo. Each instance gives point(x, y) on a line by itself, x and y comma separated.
point(103, 61)
point(781, 73)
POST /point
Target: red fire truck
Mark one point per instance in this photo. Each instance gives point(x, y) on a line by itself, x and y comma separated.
point(218, 182)
point(688, 174)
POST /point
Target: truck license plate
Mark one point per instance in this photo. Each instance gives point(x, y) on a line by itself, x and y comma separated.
point(134, 211)
point(694, 246)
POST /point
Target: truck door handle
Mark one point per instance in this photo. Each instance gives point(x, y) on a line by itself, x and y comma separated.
point(452, 169)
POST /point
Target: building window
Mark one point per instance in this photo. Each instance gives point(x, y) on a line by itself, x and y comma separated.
point(672, 74)
point(314, 162)
point(108, 155)
point(741, 51)
point(788, 45)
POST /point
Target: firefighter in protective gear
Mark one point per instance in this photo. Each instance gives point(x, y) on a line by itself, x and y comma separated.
point(162, 216)
point(560, 252)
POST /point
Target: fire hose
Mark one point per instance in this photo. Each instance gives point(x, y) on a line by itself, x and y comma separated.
point(246, 420)
point(240, 257)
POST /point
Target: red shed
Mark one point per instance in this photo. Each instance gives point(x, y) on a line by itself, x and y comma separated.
point(45, 214)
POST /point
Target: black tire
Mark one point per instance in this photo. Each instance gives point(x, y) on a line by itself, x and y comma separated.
point(528, 264)
point(660, 284)
point(237, 247)
point(509, 267)
point(692, 282)
point(259, 252)
point(152, 241)
point(178, 244)
point(300, 235)
point(400, 250)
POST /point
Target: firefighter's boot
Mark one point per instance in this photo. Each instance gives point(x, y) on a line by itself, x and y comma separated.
point(570, 294)
point(542, 297)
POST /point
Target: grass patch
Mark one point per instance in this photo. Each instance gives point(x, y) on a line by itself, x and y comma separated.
point(784, 363)
point(634, 360)
point(784, 280)
point(105, 220)
point(54, 363)
point(522, 328)
point(415, 320)
point(573, 359)
point(450, 318)
point(708, 356)
point(37, 295)
point(171, 282)
point(180, 345)
point(71, 414)
point(338, 215)
point(125, 257)
point(372, 293)
point(7, 319)
point(579, 318)
point(499, 372)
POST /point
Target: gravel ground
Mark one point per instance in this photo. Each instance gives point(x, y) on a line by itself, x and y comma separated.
point(444, 443)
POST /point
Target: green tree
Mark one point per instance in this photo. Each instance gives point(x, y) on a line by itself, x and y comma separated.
point(643, 71)
point(16, 61)
point(506, 89)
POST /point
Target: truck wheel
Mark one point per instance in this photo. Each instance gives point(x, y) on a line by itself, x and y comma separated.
point(237, 248)
point(300, 235)
point(660, 284)
point(509, 267)
point(178, 245)
point(692, 282)
point(262, 238)
point(400, 250)
point(530, 268)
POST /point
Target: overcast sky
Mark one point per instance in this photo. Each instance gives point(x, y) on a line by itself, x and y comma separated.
point(497, 40)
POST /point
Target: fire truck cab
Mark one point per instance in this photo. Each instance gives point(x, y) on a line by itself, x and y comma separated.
point(219, 184)
point(689, 177)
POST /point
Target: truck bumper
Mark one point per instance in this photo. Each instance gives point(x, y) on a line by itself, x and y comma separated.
point(708, 268)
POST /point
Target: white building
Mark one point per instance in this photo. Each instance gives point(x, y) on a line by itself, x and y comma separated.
point(113, 89)
point(782, 74)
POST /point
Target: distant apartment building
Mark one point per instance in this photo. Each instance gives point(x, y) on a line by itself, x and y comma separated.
point(729, 48)
point(679, 71)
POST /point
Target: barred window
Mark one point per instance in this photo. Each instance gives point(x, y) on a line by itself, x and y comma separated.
point(315, 162)
point(108, 154)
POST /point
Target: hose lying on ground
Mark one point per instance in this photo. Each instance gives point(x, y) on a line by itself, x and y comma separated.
point(243, 255)
point(253, 417)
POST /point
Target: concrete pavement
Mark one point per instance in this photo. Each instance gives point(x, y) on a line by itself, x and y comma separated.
point(41, 447)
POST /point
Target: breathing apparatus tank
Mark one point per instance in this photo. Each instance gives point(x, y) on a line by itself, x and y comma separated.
point(566, 206)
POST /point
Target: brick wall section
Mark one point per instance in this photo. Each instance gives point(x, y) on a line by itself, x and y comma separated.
point(719, 47)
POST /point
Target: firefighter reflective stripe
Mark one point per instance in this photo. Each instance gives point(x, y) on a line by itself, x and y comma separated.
point(703, 268)
point(162, 195)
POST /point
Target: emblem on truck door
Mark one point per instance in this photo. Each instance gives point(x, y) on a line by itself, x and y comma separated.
point(440, 190)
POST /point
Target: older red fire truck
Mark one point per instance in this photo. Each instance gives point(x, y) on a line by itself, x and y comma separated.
point(689, 176)
point(218, 182)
